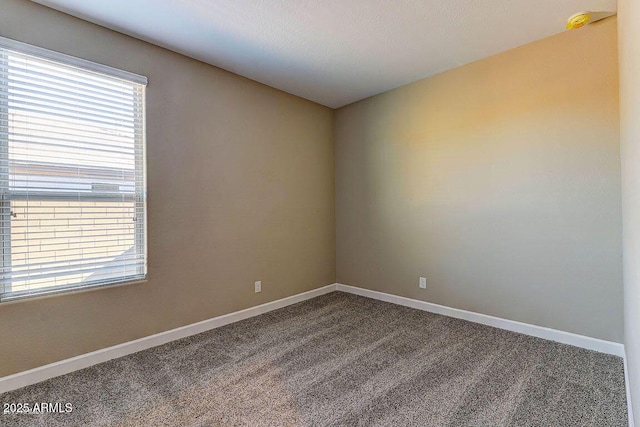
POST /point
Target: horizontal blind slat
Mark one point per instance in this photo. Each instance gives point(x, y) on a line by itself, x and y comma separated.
point(57, 140)
point(17, 90)
point(26, 107)
point(39, 125)
point(20, 62)
point(77, 270)
point(75, 106)
point(44, 87)
point(70, 80)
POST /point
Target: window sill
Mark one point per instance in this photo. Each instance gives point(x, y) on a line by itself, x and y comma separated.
point(71, 291)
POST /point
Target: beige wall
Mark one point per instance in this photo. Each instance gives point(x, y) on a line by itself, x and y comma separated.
point(499, 181)
point(240, 188)
point(629, 50)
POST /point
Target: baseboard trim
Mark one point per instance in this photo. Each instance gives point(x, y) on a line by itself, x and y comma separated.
point(42, 373)
point(582, 341)
point(628, 387)
point(36, 375)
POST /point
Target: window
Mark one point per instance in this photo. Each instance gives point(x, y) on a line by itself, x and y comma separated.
point(72, 173)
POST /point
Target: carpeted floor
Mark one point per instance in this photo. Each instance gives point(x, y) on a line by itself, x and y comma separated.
point(342, 360)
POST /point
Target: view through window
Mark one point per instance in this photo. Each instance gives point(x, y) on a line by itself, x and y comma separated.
point(72, 181)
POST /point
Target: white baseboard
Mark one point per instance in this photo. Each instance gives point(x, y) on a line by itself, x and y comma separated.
point(628, 387)
point(66, 366)
point(589, 343)
point(32, 376)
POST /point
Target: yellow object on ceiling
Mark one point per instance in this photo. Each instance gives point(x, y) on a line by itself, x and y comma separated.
point(578, 20)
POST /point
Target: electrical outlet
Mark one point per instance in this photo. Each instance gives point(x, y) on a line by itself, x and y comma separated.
point(258, 286)
point(423, 283)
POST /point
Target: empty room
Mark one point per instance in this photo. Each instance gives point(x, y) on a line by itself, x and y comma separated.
point(319, 213)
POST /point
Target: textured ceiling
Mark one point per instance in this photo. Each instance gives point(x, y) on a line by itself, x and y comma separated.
point(334, 52)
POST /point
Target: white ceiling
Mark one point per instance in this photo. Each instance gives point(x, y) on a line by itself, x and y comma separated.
point(334, 52)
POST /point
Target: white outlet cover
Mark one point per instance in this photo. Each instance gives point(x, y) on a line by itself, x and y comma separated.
point(258, 286)
point(423, 282)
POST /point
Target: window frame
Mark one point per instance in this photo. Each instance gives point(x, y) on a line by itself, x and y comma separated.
point(139, 197)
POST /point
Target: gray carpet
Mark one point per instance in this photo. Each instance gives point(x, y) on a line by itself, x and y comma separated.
point(342, 360)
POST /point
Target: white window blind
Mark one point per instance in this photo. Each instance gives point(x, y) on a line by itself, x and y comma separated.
point(72, 173)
